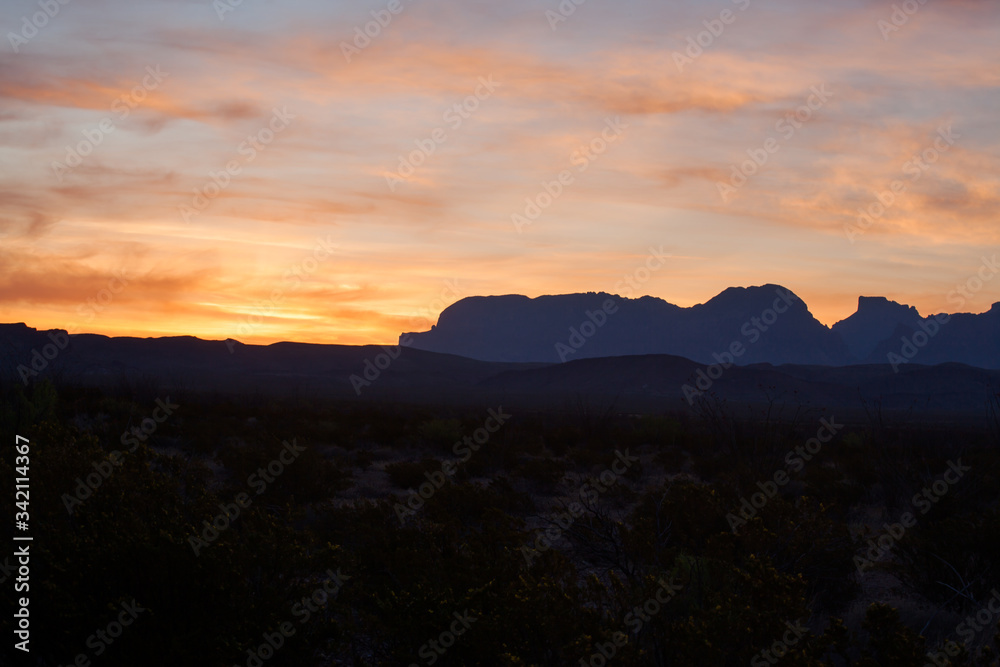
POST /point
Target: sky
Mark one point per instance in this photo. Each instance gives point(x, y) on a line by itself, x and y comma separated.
point(339, 172)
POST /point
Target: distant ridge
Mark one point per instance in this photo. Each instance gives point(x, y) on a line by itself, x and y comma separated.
point(875, 321)
point(768, 324)
point(147, 368)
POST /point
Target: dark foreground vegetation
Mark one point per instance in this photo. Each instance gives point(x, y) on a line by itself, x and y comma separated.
point(259, 532)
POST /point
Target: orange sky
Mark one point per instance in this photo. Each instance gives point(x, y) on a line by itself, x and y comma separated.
point(372, 183)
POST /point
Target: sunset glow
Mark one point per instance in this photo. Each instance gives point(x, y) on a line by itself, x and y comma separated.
point(268, 171)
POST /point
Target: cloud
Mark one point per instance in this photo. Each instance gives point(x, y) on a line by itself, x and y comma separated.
point(326, 174)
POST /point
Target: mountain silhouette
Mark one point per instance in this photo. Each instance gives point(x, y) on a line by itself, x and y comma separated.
point(962, 337)
point(763, 324)
point(876, 320)
point(186, 365)
point(742, 325)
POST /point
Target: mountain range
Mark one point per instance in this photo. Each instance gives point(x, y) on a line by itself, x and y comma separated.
point(183, 367)
point(742, 325)
point(746, 346)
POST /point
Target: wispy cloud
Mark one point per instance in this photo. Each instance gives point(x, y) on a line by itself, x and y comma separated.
point(326, 173)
